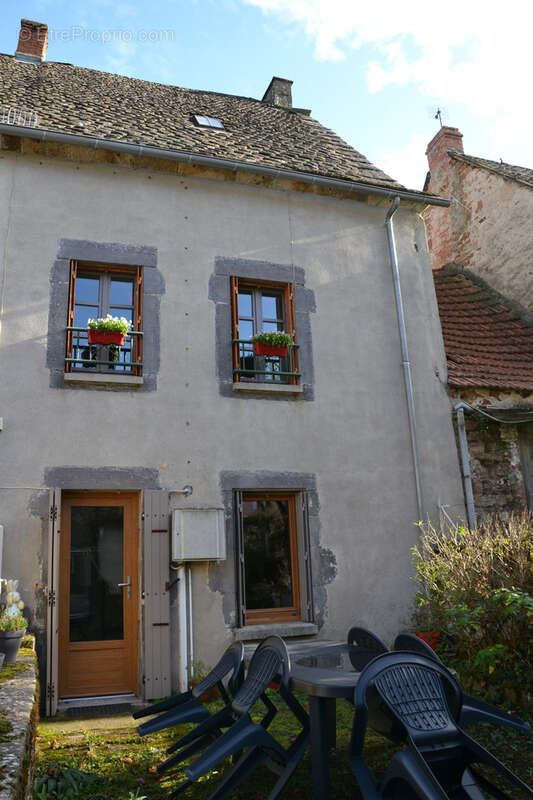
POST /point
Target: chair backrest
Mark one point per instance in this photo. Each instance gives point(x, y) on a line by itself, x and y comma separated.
point(414, 689)
point(230, 664)
point(365, 638)
point(270, 660)
point(414, 644)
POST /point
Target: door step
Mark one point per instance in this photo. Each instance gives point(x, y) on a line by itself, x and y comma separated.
point(98, 706)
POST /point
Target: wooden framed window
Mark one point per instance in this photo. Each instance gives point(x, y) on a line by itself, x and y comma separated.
point(259, 307)
point(97, 290)
point(273, 564)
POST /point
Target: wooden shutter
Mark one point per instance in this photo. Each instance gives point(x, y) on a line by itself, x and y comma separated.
point(70, 314)
point(240, 577)
point(306, 572)
point(138, 347)
point(290, 316)
point(156, 548)
point(234, 291)
point(52, 615)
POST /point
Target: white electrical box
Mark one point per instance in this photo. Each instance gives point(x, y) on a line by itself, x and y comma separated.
point(198, 534)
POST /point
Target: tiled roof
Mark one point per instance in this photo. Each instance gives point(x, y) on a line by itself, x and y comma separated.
point(510, 171)
point(114, 107)
point(487, 343)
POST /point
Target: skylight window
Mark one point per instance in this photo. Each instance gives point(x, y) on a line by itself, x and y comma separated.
point(208, 122)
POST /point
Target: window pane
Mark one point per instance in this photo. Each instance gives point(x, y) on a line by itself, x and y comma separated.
point(271, 326)
point(122, 312)
point(83, 313)
point(267, 554)
point(96, 567)
point(121, 292)
point(245, 304)
point(87, 290)
point(271, 306)
point(246, 329)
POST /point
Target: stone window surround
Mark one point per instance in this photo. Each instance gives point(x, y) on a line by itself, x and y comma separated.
point(222, 577)
point(304, 304)
point(108, 253)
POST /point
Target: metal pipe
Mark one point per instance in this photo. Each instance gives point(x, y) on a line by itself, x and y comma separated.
point(187, 490)
point(191, 631)
point(465, 465)
point(182, 633)
point(149, 151)
point(405, 357)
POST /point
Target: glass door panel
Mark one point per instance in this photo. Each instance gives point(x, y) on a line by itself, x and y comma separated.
point(96, 607)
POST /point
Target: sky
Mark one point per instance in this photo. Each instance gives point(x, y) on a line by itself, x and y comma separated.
point(374, 72)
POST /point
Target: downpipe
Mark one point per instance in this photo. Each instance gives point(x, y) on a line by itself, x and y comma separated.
point(406, 366)
point(465, 465)
point(183, 681)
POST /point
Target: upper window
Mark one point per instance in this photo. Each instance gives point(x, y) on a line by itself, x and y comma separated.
point(208, 122)
point(257, 308)
point(95, 291)
point(272, 554)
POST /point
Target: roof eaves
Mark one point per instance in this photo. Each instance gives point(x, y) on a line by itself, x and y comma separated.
point(151, 151)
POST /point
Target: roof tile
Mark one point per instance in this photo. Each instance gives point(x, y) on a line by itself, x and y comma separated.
point(487, 343)
point(140, 112)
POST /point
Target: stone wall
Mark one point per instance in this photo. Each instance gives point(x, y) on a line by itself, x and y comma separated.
point(19, 698)
point(497, 477)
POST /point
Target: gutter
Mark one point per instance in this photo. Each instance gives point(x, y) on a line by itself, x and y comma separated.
point(150, 151)
point(405, 357)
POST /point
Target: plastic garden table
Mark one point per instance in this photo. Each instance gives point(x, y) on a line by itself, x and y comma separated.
point(325, 671)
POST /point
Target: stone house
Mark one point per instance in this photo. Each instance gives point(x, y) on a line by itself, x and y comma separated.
point(164, 496)
point(481, 249)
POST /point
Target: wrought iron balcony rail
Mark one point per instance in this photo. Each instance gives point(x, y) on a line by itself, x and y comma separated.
point(267, 369)
point(103, 357)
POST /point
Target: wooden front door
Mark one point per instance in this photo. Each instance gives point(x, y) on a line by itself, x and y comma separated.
point(98, 594)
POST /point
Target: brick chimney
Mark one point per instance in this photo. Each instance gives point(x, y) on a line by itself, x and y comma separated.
point(445, 226)
point(33, 41)
point(278, 93)
point(445, 139)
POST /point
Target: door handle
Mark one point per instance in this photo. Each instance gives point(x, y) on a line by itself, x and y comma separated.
point(128, 584)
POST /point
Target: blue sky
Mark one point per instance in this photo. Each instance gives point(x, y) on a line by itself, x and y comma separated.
point(374, 73)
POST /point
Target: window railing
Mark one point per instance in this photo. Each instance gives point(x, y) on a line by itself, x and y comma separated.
point(103, 358)
point(266, 369)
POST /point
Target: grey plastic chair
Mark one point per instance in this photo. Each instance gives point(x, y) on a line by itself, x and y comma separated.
point(366, 647)
point(472, 709)
point(270, 662)
point(438, 762)
point(187, 706)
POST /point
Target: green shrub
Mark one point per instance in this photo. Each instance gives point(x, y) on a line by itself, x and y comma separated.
point(476, 594)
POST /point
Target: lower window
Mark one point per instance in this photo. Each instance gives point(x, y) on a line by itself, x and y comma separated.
point(274, 582)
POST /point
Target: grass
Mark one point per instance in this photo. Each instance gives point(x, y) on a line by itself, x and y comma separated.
point(5, 728)
point(111, 749)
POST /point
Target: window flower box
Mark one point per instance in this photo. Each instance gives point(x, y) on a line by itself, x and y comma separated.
point(274, 343)
point(108, 330)
point(105, 337)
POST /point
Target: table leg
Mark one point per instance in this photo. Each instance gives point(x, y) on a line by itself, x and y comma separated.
point(321, 713)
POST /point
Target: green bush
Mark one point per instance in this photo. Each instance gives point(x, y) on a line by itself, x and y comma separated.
point(476, 596)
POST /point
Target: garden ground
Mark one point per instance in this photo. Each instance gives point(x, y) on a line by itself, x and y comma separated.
point(109, 748)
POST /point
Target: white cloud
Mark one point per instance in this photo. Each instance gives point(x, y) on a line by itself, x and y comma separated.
point(408, 164)
point(475, 53)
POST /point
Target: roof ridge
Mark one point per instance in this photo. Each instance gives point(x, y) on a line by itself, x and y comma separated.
point(497, 167)
point(156, 83)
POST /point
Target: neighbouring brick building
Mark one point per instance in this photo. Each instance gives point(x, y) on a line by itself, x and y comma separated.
point(481, 249)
